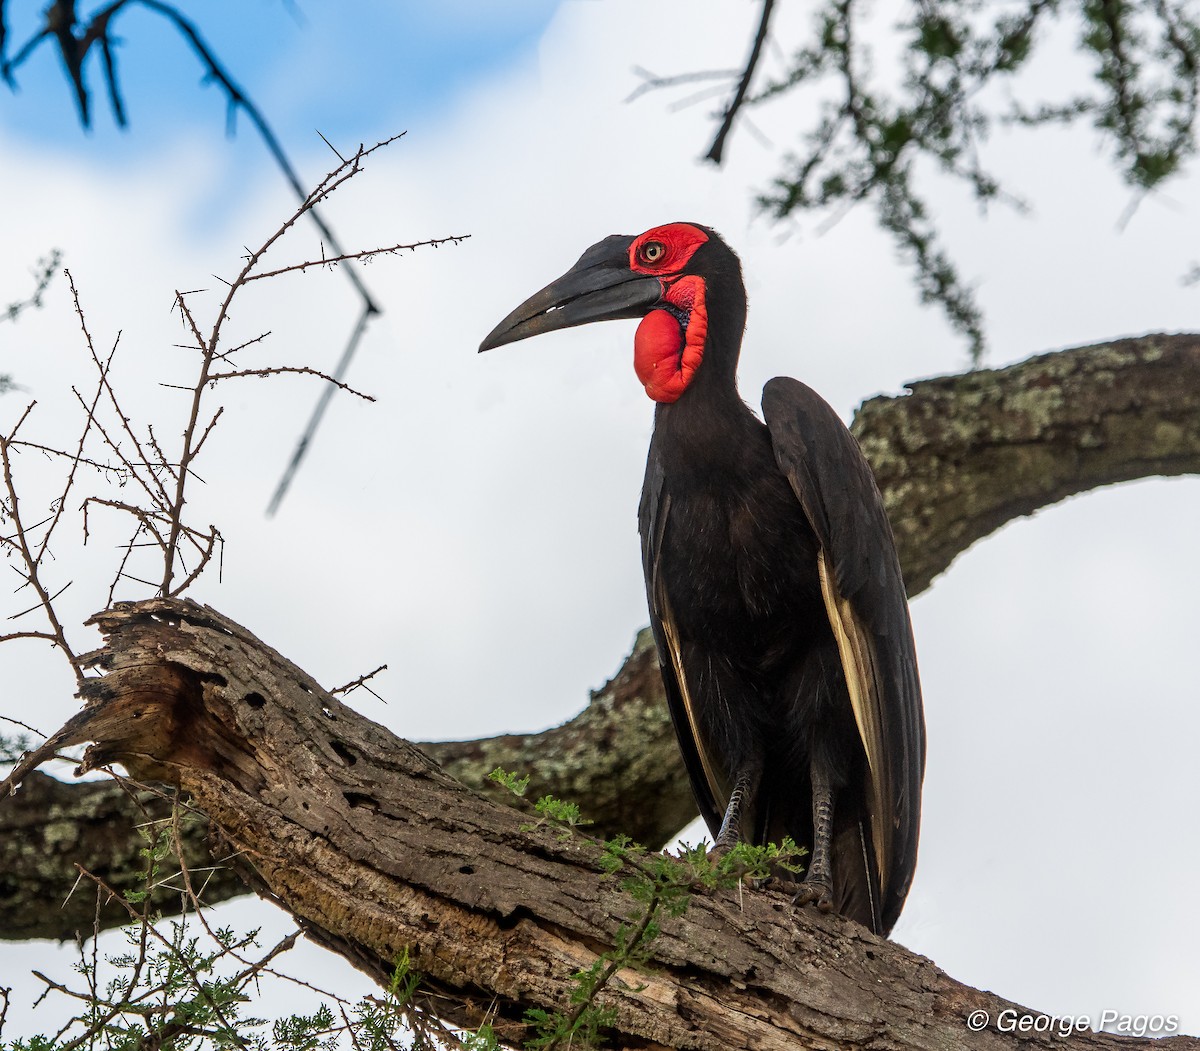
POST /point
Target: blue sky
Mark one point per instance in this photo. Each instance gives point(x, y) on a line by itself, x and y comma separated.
point(351, 71)
point(483, 510)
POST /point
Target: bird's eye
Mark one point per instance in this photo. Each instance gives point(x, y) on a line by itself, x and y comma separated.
point(652, 251)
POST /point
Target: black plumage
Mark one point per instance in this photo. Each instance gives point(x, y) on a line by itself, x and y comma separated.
point(774, 588)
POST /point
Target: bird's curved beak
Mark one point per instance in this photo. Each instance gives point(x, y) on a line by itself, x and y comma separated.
point(600, 287)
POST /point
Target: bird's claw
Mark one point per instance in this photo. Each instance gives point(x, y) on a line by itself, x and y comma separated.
point(815, 892)
point(718, 852)
point(718, 858)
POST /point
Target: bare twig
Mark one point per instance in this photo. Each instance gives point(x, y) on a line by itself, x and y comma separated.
point(365, 255)
point(21, 542)
point(280, 370)
point(361, 681)
point(717, 148)
point(134, 451)
point(74, 40)
point(13, 635)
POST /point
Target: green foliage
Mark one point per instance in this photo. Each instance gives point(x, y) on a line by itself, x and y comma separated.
point(168, 990)
point(869, 144)
point(404, 980)
point(158, 837)
point(557, 811)
point(305, 1032)
point(483, 1039)
point(178, 990)
point(42, 274)
point(185, 986)
point(660, 887)
point(560, 811)
point(516, 785)
point(12, 748)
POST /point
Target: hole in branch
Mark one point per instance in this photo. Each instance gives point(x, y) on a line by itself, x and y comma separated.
point(361, 799)
point(255, 699)
point(347, 756)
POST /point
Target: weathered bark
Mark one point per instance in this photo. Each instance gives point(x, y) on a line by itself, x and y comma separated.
point(52, 826)
point(955, 458)
point(619, 751)
point(376, 849)
point(961, 455)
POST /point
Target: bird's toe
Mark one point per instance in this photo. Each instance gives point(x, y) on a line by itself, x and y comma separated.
point(815, 892)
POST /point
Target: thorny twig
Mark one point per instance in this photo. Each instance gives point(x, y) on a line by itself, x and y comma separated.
point(131, 451)
point(74, 38)
point(364, 256)
point(281, 370)
point(17, 722)
point(362, 681)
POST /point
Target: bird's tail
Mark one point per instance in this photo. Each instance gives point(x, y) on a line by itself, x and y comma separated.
point(855, 878)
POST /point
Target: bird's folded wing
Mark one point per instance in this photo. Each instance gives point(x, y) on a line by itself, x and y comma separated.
point(709, 783)
point(868, 611)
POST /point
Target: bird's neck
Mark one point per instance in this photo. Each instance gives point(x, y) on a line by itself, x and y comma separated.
point(709, 430)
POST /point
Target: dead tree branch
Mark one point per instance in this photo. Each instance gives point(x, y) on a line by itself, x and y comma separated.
point(956, 458)
point(376, 851)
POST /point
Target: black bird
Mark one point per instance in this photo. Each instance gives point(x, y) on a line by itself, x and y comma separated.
point(771, 572)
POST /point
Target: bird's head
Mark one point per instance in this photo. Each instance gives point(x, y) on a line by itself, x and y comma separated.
point(681, 279)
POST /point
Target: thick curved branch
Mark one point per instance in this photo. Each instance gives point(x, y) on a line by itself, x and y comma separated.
point(52, 826)
point(376, 850)
point(962, 455)
point(956, 458)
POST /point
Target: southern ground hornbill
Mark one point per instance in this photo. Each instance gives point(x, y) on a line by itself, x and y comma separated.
point(774, 588)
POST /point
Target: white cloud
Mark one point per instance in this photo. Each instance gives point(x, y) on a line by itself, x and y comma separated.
point(475, 529)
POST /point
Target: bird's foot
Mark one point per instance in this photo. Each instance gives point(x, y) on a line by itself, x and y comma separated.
point(719, 851)
point(719, 859)
point(817, 892)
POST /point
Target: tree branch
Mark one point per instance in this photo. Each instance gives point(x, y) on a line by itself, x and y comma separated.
point(717, 149)
point(377, 851)
point(955, 458)
point(961, 455)
point(75, 39)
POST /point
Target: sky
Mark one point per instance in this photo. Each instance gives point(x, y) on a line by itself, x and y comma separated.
point(475, 527)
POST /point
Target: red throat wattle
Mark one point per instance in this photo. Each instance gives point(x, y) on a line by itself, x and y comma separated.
point(670, 341)
point(667, 348)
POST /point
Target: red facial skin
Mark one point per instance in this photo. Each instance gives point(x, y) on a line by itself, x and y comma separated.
point(666, 349)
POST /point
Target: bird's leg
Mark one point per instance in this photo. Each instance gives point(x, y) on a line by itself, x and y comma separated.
point(817, 885)
point(745, 790)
